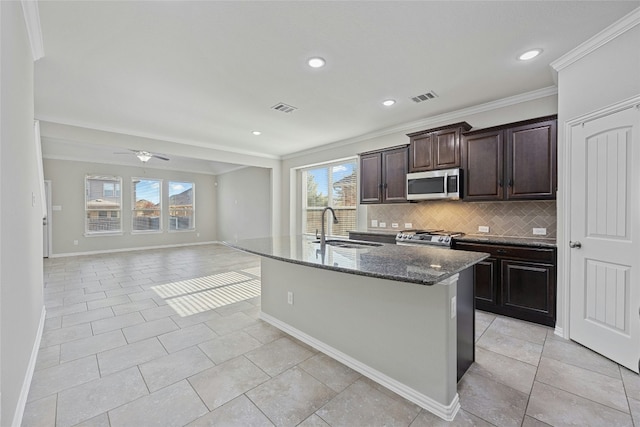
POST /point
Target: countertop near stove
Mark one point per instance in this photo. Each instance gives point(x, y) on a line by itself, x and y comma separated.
point(502, 240)
point(422, 265)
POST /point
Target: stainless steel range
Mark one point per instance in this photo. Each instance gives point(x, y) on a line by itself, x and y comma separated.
point(438, 238)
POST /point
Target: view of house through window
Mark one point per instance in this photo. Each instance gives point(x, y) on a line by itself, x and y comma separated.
point(331, 185)
point(147, 204)
point(181, 212)
point(103, 204)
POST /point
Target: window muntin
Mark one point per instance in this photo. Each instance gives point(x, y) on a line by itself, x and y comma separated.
point(181, 205)
point(103, 204)
point(333, 185)
point(147, 204)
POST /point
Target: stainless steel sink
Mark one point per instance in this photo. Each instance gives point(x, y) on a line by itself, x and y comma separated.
point(350, 244)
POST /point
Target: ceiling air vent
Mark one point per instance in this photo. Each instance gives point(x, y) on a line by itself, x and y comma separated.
point(285, 108)
point(424, 97)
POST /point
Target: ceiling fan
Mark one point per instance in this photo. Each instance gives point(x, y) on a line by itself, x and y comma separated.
point(145, 156)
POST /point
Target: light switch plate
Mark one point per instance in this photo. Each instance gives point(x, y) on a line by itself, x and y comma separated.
point(394, 225)
point(374, 222)
point(408, 225)
point(483, 229)
point(56, 208)
point(540, 231)
point(383, 224)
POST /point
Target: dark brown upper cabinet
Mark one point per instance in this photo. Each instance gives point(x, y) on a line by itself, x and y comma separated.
point(437, 148)
point(511, 162)
point(383, 176)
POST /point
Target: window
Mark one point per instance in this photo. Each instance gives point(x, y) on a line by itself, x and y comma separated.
point(103, 204)
point(181, 211)
point(147, 204)
point(331, 185)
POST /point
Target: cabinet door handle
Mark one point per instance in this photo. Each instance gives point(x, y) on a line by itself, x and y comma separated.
point(500, 183)
point(510, 184)
point(501, 251)
point(385, 185)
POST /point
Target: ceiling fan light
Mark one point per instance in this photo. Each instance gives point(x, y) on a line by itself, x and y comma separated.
point(144, 157)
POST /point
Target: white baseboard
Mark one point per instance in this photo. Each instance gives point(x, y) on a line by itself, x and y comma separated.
point(559, 332)
point(143, 248)
point(446, 412)
point(26, 384)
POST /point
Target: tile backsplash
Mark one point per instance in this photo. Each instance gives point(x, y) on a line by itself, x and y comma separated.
point(513, 218)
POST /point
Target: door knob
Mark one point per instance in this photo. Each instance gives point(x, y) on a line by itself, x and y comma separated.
point(575, 245)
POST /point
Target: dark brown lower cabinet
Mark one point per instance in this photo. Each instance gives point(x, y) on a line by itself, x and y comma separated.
point(516, 281)
point(486, 281)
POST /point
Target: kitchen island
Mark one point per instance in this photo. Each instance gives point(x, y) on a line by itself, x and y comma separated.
point(402, 316)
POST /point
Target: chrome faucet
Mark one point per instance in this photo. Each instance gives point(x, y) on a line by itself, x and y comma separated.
point(322, 233)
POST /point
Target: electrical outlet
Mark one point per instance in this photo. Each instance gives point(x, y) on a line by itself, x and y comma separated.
point(483, 229)
point(540, 231)
point(290, 298)
point(197, 234)
point(374, 222)
point(75, 242)
point(394, 225)
point(56, 208)
point(408, 225)
point(383, 224)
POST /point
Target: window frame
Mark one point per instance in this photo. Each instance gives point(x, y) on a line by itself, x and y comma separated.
point(303, 183)
point(87, 190)
point(134, 209)
point(193, 207)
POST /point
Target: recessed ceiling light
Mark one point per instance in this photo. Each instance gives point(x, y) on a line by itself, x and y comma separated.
point(316, 62)
point(530, 54)
point(388, 102)
point(256, 132)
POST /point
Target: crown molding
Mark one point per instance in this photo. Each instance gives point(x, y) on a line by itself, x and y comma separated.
point(32, 19)
point(433, 120)
point(614, 30)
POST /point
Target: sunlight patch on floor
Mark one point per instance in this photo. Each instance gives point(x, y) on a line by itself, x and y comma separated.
point(198, 284)
point(200, 294)
point(214, 298)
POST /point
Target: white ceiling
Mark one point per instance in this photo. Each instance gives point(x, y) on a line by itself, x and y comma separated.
point(206, 73)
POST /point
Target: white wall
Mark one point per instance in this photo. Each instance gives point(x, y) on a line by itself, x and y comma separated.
point(67, 182)
point(539, 107)
point(605, 76)
point(244, 204)
point(21, 293)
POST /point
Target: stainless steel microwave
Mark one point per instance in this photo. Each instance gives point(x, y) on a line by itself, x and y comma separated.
point(434, 185)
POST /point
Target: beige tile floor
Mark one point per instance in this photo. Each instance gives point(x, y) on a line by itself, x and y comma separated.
point(172, 337)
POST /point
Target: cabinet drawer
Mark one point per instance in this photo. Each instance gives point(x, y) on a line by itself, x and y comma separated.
point(514, 252)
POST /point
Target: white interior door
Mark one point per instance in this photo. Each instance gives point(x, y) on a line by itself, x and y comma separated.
point(605, 239)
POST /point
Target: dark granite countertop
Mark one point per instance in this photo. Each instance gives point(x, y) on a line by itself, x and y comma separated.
point(504, 240)
point(422, 265)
